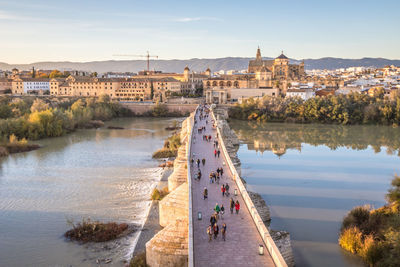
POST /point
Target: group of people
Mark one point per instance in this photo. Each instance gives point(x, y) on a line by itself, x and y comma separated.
point(213, 228)
point(207, 138)
point(219, 210)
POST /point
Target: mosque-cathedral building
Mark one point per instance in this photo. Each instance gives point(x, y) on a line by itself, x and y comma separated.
point(263, 77)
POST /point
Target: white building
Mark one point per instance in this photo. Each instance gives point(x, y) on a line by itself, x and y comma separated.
point(302, 93)
point(36, 85)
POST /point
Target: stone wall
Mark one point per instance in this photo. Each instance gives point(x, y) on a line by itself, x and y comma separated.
point(170, 246)
point(141, 108)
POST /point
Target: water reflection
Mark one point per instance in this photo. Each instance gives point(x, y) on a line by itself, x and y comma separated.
point(279, 137)
point(311, 175)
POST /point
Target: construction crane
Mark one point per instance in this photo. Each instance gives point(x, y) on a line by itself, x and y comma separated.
point(148, 56)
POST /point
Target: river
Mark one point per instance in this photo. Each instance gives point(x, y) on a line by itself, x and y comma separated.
point(312, 175)
point(100, 174)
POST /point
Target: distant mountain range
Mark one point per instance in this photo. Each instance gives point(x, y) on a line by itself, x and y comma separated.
point(196, 64)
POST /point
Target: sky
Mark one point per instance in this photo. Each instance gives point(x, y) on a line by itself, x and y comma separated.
point(91, 30)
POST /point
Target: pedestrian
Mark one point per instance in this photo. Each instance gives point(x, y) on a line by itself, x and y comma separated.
point(227, 189)
point(216, 230)
point(223, 190)
point(217, 178)
point(221, 171)
point(216, 141)
point(232, 205)
point(203, 161)
point(205, 193)
point(191, 162)
point(211, 178)
point(213, 220)
point(219, 152)
point(217, 209)
point(209, 232)
point(223, 231)
point(237, 206)
point(222, 211)
point(215, 153)
point(199, 175)
point(209, 137)
point(198, 163)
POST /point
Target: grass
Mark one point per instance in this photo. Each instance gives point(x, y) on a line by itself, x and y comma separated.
point(158, 195)
point(94, 231)
point(139, 260)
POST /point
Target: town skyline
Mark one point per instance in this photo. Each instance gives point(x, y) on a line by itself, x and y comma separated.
point(174, 30)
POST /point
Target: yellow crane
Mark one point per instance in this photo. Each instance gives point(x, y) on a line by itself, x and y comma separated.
point(147, 56)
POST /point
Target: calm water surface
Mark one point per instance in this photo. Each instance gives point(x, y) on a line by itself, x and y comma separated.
point(102, 174)
point(312, 175)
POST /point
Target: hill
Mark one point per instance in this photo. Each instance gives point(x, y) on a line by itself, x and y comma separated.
point(196, 64)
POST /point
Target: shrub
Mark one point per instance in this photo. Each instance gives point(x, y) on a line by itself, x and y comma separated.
point(139, 260)
point(158, 195)
point(357, 217)
point(94, 231)
point(351, 240)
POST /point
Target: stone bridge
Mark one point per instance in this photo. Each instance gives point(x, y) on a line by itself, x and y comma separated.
point(185, 215)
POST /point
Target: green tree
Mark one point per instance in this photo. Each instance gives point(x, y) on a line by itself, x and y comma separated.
point(394, 193)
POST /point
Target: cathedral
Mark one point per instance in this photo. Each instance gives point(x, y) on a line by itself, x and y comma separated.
point(278, 68)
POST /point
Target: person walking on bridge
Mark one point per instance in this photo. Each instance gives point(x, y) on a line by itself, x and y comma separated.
point(213, 220)
point(223, 231)
point(198, 163)
point(216, 230)
point(209, 232)
point(205, 193)
point(215, 153)
point(203, 161)
point(218, 152)
point(237, 206)
point(232, 205)
point(217, 209)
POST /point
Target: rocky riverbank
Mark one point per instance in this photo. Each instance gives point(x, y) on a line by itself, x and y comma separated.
point(281, 238)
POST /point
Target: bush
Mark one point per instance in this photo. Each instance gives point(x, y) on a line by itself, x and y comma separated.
point(158, 195)
point(351, 240)
point(88, 231)
point(357, 217)
point(139, 260)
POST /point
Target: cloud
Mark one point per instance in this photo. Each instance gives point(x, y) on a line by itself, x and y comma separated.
point(190, 19)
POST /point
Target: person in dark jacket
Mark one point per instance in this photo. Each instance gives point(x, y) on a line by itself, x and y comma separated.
point(223, 231)
point(205, 193)
point(232, 205)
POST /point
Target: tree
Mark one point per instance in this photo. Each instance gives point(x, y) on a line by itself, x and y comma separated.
point(39, 105)
point(56, 74)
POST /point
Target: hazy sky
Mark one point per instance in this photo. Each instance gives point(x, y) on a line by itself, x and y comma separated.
point(87, 30)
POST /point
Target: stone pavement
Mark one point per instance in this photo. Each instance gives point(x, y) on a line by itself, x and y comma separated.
point(242, 237)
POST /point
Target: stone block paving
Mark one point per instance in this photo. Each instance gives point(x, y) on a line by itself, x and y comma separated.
point(242, 237)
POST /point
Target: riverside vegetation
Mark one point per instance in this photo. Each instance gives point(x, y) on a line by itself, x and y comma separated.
point(28, 118)
point(170, 148)
point(374, 234)
point(349, 109)
point(94, 231)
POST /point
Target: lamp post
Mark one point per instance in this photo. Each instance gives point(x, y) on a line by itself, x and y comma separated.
point(261, 249)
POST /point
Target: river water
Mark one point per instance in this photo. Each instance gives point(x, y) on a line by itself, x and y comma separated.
point(99, 174)
point(312, 175)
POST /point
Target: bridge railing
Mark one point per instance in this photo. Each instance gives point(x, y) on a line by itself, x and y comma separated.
point(262, 229)
point(189, 173)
